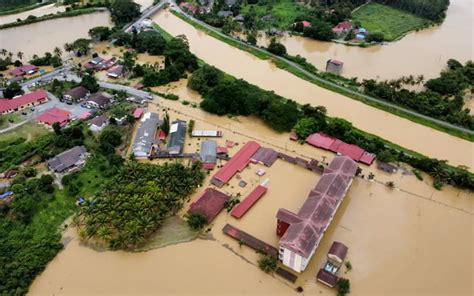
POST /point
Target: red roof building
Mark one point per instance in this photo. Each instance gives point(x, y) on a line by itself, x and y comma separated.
point(222, 150)
point(236, 164)
point(342, 27)
point(324, 141)
point(23, 70)
point(209, 204)
point(248, 202)
point(306, 229)
point(138, 113)
point(24, 101)
point(54, 115)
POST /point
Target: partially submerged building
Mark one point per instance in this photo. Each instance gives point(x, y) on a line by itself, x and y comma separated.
point(236, 164)
point(210, 204)
point(208, 154)
point(146, 135)
point(334, 66)
point(69, 160)
point(176, 137)
point(302, 233)
point(336, 255)
point(206, 134)
point(265, 156)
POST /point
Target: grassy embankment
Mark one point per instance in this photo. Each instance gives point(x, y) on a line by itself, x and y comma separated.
point(285, 65)
point(392, 22)
point(72, 13)
point(284, 12)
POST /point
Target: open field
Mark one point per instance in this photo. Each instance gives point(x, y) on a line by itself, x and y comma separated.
point(28, 131)
point(392, 22)
point(284, 12)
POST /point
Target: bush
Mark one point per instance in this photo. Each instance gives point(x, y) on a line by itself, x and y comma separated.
point(343, 287)
point(267, 263)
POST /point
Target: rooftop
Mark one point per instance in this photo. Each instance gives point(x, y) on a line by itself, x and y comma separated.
point(209, 204)
point(12, 104)
point(77, 92)
point(177, 136)
point(99, 120)
point(145, 137)
point(67, 159)
point(319, 208)
point(54, 115)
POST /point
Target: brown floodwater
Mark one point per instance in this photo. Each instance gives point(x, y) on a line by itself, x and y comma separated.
point(41, 37)
point(40, 11)
point(144, 4)
point(265, 74)
point(412, 240)
point(419, 53)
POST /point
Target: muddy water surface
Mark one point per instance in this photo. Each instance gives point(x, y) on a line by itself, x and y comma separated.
point(419, 53)
point(144, 4)
point(41, 37)
point(40, 11)
point(266, 75)
point(412, 240)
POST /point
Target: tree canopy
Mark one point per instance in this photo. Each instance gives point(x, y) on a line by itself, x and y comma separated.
point(124, 11)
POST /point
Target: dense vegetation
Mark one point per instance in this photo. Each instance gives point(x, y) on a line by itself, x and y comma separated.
point(48, 59)
point(434, 10)
point(10, 4)
point(443, 98)
point(133, 205)
point(267, 263)
point(124, 11)
point(226, 95)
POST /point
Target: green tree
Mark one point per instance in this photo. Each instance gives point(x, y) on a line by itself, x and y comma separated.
point(196, 221)
point(100, 33)
point(319, 30)
point(306, 126)
point(124, 11)
point(90, 82)
point(276, 48)
point(343, 286)
point(267, 263)
point(110, 136)
point(12, 90)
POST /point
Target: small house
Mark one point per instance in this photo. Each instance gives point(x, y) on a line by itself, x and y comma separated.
point(176, 137)
point(54, 115)
point(208, 154)
point(210, 204)
point(69, 160)
point(115, 72)
point(342, 27)
point(240, 18)
point(98, 123)
point(138, 112)
point(99, 100)
point(334, 66)
point(96, 61)
point(76, 94)
point(24, 70)
point(146, 138)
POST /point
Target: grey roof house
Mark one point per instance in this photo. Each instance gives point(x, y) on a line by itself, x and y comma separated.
point(146, 135)
point(99, 100)
point(76, 94)
point(177, 135)
point(208, 153)
point(68, 160)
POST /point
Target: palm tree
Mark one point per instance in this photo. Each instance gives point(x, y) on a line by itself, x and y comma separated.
point(3, 51)
point(10, 54)
point(68, 47)
point(20, 55)
point(57, 51)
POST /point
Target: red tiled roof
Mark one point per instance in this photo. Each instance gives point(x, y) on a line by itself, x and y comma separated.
point(324, 141)
point(327, 278)
point(338, 250)
point(138, 113)
point(223, 150)
point(20, 71)
point(54, 115)
point(36, 96)
point(208, 166)
point(209, 204)
point(306, 24)
point(248, 202)
point(236, 164)
point(319, 208)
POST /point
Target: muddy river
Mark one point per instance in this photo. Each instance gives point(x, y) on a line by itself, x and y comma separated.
point(40, 11)
point(41, 37)
point(266, 75)
point(419, 53)
point(412, 240)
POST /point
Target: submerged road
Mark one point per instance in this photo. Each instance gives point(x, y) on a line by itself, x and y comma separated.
point(265, 74)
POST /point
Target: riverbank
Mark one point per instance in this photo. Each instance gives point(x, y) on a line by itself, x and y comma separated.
point(66, 14)
point(334, 86)
point(23, 8)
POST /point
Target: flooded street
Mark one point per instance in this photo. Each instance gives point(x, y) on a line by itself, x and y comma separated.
point(41, 37)
point(40, 11)
point(425, 52)
point(243, 65)
point(412, 240)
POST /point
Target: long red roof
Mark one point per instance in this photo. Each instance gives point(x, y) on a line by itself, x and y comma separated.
point(237, 163)
point(249, 201)
point(54, 115)
point(321, 140)
point(6, 104)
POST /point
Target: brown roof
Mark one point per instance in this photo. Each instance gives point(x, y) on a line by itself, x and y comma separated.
point(209, 204)
point(320, 206)
point(78, 92)
point(327, 278)
point(99, 120)
point(100, 98)
point(338, 250)
point(267, 156)
point(287, 216)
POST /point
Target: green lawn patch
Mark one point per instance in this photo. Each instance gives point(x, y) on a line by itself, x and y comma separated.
point(28, 131)
point(392, 22)
point(284, 12)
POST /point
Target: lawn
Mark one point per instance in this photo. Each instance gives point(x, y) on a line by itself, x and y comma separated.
point(8, 119)
point(284, 12)
point(390, 21)
point(28, 131)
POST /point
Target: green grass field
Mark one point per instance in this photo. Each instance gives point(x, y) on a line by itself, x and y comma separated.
point(284, 12)
point(390, 21)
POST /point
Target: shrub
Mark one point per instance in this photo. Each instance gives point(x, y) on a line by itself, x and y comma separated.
point(343, 287)
point(196, 221)
point(267, 263)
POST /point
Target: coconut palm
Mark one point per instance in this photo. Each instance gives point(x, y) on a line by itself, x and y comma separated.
point(57, 51)
point(10, 54)
point(68, 47)
point(3, 52)
point(20, 55)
